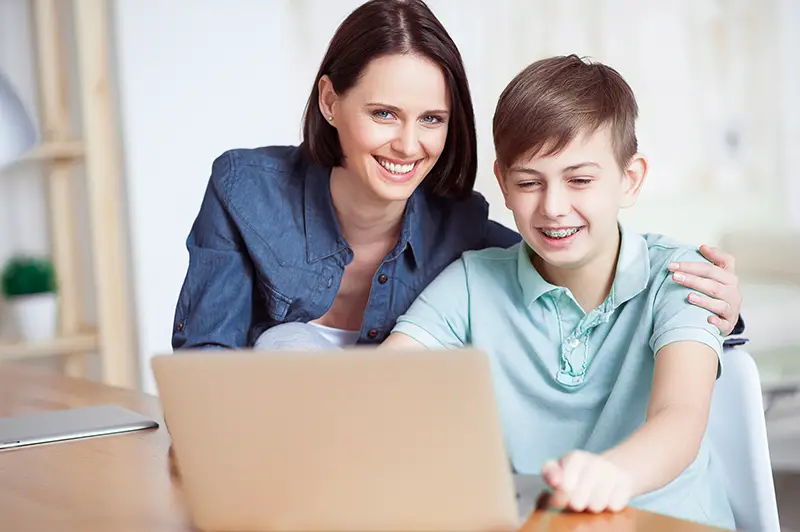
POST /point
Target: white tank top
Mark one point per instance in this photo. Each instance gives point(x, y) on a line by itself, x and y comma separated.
point(296, 335)
point(338, 337)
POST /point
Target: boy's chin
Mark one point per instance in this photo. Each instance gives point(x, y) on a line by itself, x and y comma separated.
point(562, 262)
point(565, 259)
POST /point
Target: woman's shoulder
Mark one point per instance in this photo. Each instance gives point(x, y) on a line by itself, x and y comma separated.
point(263, 172)
point(474, 208)
point(467, 221)
point(260, 192)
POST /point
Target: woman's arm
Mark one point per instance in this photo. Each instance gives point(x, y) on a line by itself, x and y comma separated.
point(215, 305)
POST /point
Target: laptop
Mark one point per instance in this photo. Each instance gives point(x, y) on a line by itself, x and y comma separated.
point(357, 439)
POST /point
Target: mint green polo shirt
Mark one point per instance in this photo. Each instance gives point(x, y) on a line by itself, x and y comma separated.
point(566, 379)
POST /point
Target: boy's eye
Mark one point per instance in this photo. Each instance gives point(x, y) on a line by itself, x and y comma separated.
point(528, 184)
point(580, 181)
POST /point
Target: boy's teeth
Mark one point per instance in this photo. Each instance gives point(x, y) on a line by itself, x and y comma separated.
point(560, 233)
point(396, 168)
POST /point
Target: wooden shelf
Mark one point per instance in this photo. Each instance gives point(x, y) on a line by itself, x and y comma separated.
point(96, 149)
point(68, 151)
point(76, 344)
point(54, 151)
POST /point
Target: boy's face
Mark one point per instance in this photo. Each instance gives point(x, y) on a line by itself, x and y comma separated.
point(566, 205)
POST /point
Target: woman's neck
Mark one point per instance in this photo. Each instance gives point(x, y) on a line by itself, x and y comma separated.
point(364, 220)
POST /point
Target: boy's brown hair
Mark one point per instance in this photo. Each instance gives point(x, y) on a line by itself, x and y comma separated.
point(554, 100)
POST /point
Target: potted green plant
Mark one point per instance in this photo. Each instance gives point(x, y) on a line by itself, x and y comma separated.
point(29, 285)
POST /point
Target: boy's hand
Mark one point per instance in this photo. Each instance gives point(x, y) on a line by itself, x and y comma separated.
point(583, 481)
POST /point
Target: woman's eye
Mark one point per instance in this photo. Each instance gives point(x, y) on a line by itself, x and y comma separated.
point(382, 114)
point(432, 119)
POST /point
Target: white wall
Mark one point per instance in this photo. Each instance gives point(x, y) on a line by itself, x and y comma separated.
point(23, 214)
point(790, 139)
point(202, 76)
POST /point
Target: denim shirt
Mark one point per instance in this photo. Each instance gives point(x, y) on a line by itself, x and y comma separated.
point(266, 248)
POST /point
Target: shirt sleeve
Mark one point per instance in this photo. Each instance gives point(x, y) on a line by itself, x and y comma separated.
point(439, 317)
point(675, 319)
point(215, 304)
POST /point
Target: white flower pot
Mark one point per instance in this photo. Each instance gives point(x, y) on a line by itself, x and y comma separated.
point(36, 316)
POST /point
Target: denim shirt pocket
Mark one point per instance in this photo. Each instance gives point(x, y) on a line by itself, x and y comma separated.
point(276, 304)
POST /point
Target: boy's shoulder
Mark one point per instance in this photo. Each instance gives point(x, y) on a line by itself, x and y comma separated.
point(495, 265)
point(492, 254)
point(663, 250)
point(643, 266)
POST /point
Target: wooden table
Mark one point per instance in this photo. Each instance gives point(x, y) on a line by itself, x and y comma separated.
point(122, 483)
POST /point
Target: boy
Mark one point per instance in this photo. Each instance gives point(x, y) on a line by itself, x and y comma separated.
point(603, 370)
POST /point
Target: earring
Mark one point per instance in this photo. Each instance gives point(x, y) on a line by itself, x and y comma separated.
point(330, 118)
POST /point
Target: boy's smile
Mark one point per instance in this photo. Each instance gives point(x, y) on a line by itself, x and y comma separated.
point(560, 237)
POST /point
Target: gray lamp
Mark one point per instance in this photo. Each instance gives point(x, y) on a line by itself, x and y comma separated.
point(17, 131)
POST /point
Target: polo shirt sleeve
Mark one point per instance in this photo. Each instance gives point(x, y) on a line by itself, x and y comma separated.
point(675, 319)
point(439, 317)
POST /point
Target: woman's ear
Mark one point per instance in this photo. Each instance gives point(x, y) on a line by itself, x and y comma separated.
point(633, 179)
point(327, 98)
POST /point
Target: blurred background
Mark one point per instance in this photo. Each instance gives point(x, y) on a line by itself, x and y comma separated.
point(133, 105)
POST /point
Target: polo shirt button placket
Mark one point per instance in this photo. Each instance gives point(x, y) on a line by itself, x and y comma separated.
point(568, 375)
point(574, 343)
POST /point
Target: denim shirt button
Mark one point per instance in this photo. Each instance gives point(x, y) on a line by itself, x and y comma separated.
point(382, 278)
point(373, 333)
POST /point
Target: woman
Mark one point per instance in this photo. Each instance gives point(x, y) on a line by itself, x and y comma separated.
point(343, 232)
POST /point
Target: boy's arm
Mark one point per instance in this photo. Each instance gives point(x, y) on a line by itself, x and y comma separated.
point(676, 417)
point(398, 340)
point(687, 349)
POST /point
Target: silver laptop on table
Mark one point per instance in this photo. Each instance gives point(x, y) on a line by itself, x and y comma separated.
point(69, 424)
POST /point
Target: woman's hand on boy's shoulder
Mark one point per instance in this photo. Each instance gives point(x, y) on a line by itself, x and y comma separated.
point(583, 481)
point(717, 286)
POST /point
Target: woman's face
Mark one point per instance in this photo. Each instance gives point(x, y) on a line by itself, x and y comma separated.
point(392, 124)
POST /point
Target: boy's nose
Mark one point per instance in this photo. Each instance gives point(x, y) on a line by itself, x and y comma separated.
point(555, 203)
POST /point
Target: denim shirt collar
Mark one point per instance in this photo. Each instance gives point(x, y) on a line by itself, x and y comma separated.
point(323, 233)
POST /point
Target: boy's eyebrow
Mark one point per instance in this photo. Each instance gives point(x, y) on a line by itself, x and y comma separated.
point(525, 170)
point(398, 110)
point(582, 165)
point(537, 173)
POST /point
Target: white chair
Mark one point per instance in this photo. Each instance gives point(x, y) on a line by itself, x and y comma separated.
point(738, 432)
